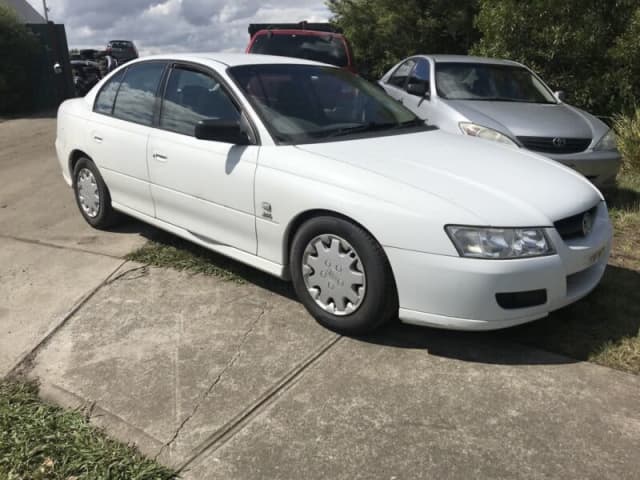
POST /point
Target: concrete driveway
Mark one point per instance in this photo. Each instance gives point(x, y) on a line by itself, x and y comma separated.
point(229, 380)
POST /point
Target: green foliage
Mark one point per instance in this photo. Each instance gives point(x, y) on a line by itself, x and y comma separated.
point(383, 32)
point(17, 47)
point(39, 441)
point(581, 47)
point(625, 67)
point(627, 129)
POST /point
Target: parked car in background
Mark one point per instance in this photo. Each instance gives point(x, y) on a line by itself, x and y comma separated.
point(122, 50)
point(86, 74)
point(505, 102)
point(320, 42)
point(371, 213)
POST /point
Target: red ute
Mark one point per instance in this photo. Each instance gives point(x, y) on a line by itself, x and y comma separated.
point(313, 41)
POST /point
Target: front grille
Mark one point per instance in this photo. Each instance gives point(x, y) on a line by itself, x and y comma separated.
point(571, 227)
point(555, 144)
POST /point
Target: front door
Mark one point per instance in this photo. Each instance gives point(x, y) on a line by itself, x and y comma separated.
point(203, 186)
point(419, 104)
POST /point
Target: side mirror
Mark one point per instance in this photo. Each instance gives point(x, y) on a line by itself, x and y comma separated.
point(560, 95)
point(419, 89)
point(226, 131)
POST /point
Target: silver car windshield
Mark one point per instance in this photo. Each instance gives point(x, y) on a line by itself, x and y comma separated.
point(490, 82)
point(309, 104)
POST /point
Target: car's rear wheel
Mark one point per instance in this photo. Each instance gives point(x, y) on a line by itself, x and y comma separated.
point(92, 195)
point(342, 276)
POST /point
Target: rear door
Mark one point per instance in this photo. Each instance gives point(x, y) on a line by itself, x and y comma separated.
point(120, 127)
point(203, 186)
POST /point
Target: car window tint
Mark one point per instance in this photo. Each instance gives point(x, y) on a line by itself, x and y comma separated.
point(399, 77)
point(192, 96)
point(106, 96)
point(136, 97)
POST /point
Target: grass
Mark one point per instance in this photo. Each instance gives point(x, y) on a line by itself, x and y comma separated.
point(604, 327)
point(172, 252)
point(39, 441)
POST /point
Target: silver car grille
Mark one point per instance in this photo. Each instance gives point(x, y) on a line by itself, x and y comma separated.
point(555, 144)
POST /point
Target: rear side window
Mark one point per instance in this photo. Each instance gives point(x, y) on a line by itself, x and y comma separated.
point(399, 77)
point(192, 96)
point(136, 98)
point(107, 95)
point(320, 48)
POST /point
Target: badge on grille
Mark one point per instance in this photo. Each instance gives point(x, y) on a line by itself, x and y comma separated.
point(559, 142)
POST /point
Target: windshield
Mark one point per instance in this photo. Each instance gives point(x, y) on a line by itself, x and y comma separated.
point(308, 103)
point(320, 48)
point(486, 81)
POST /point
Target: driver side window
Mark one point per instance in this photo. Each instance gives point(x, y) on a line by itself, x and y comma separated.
point(192, 96)
point(420, 73)
point(399, 77)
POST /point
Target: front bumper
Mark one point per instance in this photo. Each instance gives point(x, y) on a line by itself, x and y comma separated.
point(601, 167)
point(460, 293)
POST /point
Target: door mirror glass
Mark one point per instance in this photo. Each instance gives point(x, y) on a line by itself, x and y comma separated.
point(226, 131)
point(419, 89)
point(560, 95)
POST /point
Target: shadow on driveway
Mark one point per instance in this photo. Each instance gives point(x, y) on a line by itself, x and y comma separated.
point(578, 332)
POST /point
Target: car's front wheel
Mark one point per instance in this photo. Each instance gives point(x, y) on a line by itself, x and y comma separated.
point(92, 195)
point(342, 276)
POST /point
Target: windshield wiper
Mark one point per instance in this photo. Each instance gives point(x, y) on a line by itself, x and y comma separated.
point(365, 127)
point(416, 122)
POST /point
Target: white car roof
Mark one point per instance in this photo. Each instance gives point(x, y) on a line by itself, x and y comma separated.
point(232, 59)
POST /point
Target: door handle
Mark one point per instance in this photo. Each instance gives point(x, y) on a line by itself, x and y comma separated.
point(159, 157)
point(97, 138)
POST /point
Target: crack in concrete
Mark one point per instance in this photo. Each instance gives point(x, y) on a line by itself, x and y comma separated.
point(215, 382)
point(144, 271)
point(26, 363)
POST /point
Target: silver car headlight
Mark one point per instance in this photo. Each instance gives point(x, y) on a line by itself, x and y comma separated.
point(607, 142)
point(499, 243)
point(487, 133)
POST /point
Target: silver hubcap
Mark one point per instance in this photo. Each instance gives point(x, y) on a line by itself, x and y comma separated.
point(333, 274)
point(88, 195)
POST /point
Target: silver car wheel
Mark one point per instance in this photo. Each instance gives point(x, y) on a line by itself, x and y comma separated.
point(333, 274)
point(87, 191)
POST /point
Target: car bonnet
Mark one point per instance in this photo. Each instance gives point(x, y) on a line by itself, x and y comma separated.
point(504, 186)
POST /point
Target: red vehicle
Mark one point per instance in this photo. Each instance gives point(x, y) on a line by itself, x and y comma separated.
point(313, 41)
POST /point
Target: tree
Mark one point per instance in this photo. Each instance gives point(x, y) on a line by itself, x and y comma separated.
point(574, 45)
point(382, 32)
point(625, 67)
point(17, 47)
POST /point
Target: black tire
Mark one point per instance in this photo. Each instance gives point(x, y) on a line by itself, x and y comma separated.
point(106, 216)
point(380, 302)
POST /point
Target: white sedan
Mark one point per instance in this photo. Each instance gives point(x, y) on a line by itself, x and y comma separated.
point(312, 174)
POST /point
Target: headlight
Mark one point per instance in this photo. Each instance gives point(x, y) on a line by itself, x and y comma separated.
point(607, 142)
point(479, 131)
point(499, 243)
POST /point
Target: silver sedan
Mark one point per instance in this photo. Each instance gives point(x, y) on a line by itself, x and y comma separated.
point(506, 102)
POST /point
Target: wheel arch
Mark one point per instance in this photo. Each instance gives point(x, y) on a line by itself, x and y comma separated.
point(74, 156)
point(300, 219)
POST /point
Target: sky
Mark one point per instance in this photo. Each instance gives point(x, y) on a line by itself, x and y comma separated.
point(160, 26)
